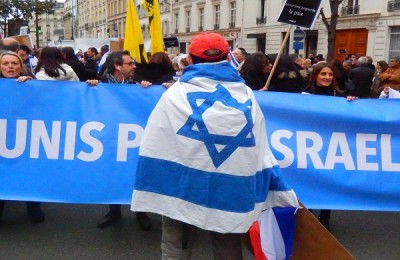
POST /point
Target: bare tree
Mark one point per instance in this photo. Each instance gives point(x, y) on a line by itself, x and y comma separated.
point(331, 26)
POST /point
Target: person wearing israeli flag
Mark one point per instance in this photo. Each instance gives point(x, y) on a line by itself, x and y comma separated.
point(204, 161)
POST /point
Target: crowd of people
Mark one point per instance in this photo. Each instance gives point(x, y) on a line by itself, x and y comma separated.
point(354, 77)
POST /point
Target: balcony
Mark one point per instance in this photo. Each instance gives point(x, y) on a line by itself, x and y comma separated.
point(201, 28)
point(231, 25)
point(261, 20)
point(216, 26)
point(187, 30)
point(350, 10)
point(393, 6)
point(176, 30)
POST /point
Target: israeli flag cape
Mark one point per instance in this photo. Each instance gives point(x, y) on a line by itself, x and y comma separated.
point(204, 158)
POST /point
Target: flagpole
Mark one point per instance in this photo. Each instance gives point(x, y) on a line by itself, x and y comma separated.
point(277, 59)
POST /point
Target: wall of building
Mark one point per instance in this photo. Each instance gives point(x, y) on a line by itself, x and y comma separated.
point(97, 17)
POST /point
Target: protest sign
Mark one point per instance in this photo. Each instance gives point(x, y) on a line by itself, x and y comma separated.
point(301, 13)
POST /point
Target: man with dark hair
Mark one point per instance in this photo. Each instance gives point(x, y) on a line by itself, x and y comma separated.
point(205, 141)
point(91, 64)
point(346, 66)
point(119, 68)
point(72, 60)
point(25, 53)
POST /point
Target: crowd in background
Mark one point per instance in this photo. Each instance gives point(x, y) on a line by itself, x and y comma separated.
point(354, 77)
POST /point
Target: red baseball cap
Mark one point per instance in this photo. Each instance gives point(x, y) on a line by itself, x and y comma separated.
point(208, 41)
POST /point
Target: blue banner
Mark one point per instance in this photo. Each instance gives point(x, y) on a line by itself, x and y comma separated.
point(68, 142)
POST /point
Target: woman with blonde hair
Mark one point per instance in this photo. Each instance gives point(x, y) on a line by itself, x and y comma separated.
point(11, 66)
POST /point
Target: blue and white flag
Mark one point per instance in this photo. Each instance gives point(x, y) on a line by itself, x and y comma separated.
point(205, 158)
point(233, 60)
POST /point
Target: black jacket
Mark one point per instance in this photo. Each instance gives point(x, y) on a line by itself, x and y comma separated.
point(78, 67)
point(362, 78)
point(154, 73)
point(91, 68)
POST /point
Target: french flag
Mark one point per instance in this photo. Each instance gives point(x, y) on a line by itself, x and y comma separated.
point(273, 233)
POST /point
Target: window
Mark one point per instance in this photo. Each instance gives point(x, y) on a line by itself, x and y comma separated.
point(217, 16)
point(394, 47)
point(262, 19)
point(262, 8)
point(188, 20)
point(176, 22)
point(165, 28)
point(351, 7)
point(201, 19)
point(233, 15)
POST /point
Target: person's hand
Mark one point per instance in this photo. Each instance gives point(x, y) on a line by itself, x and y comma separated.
point(145, 83)
point(351, 98)
point(92, 82)
point(23, 78)
point(386, 90)
point(168, 84)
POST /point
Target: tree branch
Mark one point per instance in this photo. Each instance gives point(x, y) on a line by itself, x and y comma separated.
point(324, 20)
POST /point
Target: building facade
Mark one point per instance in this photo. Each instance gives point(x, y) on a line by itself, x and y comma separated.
point(92, 19)
point(50, 26)
point(364, 27)
point(221, 16)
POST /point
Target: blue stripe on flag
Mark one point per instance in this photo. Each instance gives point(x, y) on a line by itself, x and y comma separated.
point(286, 219)
point(208, 189)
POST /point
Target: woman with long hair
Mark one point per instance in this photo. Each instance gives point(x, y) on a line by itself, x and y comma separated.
point(158, 71)
point(323, 82)
point(51, 66)
point(255, 70)
point(287, 77)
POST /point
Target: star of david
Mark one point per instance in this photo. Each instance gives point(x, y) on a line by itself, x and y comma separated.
point(195, 127)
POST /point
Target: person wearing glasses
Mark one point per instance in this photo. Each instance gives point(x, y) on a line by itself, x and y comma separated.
point(119, 68)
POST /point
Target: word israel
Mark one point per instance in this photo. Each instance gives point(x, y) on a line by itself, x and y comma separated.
point(373, 152)
point(65, 135)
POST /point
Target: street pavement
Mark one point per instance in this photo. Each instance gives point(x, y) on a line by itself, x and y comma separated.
point(70, 232)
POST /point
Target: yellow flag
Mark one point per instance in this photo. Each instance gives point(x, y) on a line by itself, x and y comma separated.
point(153, 11)
point(133, 41)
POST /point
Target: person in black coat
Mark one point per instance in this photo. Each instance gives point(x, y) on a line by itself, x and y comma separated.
point(119, 68)
point(362, 78)
point(255, 70)
point(72, 60)
point(287, 77)
point(158, 71)
point(91, 63)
